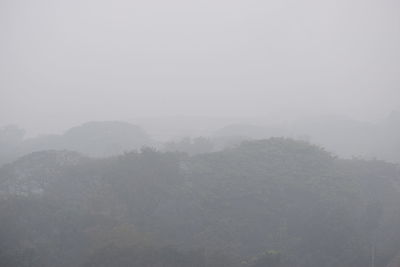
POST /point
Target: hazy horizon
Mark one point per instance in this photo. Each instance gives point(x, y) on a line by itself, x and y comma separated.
point(67, 62)
point(212, 133)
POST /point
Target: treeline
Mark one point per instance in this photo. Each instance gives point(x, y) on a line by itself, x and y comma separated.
point(274, 202)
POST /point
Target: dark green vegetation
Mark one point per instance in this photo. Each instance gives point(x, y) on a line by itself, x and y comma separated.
point(275, 202)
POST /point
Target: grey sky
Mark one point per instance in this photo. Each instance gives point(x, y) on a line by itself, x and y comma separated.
point(65, 62)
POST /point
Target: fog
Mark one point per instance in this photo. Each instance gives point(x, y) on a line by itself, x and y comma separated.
point(67, 62)
point(212, 133)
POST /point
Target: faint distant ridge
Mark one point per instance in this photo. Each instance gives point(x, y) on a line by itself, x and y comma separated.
point(95, 139)
point(249, 131)
point(343, 136)
point(105, 138)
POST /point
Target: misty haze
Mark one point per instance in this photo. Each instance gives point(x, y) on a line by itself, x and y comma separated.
point(199, 133)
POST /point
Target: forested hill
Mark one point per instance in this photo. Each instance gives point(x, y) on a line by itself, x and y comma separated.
point(275, 202)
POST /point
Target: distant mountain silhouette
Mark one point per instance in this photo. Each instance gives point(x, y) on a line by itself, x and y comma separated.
point(96, 139)
point(344, 137)
point(105, 138)
point(249, 131)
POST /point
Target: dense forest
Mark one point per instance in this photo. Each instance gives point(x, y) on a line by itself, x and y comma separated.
point(273, 202)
